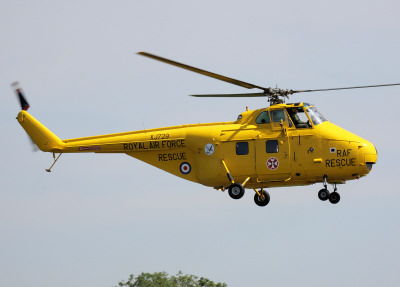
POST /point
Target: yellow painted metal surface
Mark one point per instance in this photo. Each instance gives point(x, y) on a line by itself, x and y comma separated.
point(264, 154)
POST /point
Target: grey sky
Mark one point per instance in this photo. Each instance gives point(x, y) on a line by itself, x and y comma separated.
point(98, 218)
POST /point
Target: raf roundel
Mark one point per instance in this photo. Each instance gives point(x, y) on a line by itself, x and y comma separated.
point(185, 167)
point(273, 163)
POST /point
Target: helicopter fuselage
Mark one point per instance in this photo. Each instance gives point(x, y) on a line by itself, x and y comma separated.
point(262, 148)
point(282, 145)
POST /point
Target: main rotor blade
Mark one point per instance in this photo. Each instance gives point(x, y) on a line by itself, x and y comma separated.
point(230, 95)
point(203, 72)
point(346, 88)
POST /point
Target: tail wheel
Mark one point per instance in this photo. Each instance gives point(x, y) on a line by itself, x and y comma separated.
point(262, 200)
point(236, 190)
point(323, 194)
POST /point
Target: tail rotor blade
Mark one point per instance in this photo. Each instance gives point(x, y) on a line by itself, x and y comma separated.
point(35, 148)
point(24, 106)
point(18, 92)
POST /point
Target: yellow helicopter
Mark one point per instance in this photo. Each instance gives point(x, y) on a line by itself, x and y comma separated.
point(285, 144)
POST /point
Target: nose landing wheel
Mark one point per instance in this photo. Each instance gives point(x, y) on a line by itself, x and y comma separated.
point(334, 197)
point(324, 193)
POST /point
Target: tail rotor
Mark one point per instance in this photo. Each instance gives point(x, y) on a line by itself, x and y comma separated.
point(20, 95)
point(24, 106)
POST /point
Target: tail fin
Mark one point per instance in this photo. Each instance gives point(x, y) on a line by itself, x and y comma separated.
point(42, 136)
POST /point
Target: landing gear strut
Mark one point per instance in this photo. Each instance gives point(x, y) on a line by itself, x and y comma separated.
point(236, 190)
point(324, 193)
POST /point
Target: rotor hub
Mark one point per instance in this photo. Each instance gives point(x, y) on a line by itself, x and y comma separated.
point(277, 96)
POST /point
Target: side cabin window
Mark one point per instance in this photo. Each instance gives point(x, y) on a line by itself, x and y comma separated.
point(242, 148)
point(279, 116)
point(263, 118)
point(272, 146)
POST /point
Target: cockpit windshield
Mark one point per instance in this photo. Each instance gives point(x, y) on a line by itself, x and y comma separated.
point(315, 116)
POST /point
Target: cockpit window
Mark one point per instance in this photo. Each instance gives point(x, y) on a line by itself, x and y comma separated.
point(263, 118)
point(298, 117)
point(278, 115)
point(315, 116)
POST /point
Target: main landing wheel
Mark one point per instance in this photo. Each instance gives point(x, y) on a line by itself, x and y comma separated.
point(334, 197)
point(262, 200)
point(323, 194)
point(236, 190)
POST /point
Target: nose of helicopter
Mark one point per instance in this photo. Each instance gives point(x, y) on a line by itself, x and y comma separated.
point(368, 155)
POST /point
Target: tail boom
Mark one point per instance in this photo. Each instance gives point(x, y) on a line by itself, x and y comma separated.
point(41, 136)
point(126, 142)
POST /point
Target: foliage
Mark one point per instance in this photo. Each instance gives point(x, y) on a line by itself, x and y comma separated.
point(162, 279)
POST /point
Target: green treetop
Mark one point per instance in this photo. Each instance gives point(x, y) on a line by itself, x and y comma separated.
point(162, 279)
